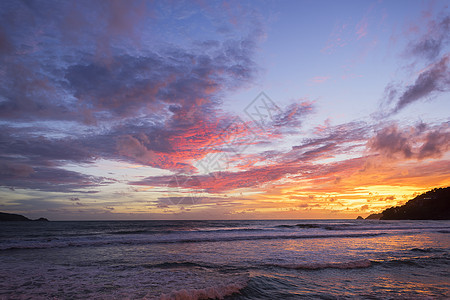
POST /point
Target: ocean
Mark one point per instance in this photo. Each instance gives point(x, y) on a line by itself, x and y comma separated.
point(276, 259)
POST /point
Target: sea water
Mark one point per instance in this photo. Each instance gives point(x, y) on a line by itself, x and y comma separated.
point(282, 259)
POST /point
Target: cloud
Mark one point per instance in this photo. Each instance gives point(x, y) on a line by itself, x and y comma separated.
point(337, 38)
point(361, 28)
point(313, 160)
point(391, 141)
point(102, 62)
point(105, 87)
point(430, 44)
point(319, 79)
point(14, 170)
point(435, 144)
point(434, 80)
point(411, 142)
point(5, 44)
point(293, 115)
point(52, 180)
point(177, 82)
point(300, 161)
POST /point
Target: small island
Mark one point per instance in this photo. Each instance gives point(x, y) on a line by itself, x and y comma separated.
point(432, 205)
point(6, 217)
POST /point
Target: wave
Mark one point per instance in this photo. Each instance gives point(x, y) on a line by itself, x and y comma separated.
point(122, 241)
point(426, 250)
point(349, 226)
point(141, 231)
point(420, 261)
point(170, 265)
point(144, 231)
point(214, 292)
point(365, 263)
point(317, 226)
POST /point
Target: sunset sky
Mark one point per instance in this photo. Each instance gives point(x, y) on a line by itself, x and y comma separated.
point(221, 110)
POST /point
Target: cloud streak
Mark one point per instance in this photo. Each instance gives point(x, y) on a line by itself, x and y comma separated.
point(434, 80)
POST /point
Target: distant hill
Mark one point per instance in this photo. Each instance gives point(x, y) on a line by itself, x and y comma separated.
point(16, 217)
point(374, 216)
point(432, 205)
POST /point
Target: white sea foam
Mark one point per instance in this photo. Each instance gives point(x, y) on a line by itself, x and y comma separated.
point(214, 292)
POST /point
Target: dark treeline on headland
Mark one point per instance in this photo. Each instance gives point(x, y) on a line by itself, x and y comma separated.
point(432, 205)
point(15, 217)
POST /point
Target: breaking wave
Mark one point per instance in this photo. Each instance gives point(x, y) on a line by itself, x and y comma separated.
point(213, 292)
point(44, 244)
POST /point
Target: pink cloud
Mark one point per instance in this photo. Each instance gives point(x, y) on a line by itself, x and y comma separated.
point(361, 28)
point(319, 79)
point(336, 39)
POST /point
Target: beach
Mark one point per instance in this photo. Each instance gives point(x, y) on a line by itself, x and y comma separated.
point(276, 259)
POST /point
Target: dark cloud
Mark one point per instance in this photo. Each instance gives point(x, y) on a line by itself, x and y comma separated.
point(97, 66)
point(430, 45)
point(411, 143)
point(5, 44)
point(52, 180)
point(9, 169)
point(431, 82)
point(106, 88)
point(352, 132)
point(430, 48)
point(293, 115)
point(434, 80)
point(436, 143)
point(172, 83)
point(391, 141)
point(42, 151)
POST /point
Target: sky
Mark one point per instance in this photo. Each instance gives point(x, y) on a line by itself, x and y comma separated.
point(140, 110)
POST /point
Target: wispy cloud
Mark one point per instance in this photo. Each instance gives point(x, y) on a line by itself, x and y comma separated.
point(319, 79)
point(433, 81)
point(430, 44)
point(361, 28)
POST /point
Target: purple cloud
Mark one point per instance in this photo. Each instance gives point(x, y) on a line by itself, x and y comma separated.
point(417, 142)
point(102, 87)
point(431, 44)
point(434, 80)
